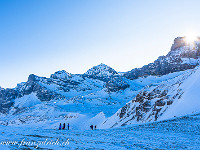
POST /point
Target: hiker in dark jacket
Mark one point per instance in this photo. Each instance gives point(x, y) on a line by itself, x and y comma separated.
point(91, 127)
point(60, 126)
point(68, 126)
point(63, 126)
point(95, 127)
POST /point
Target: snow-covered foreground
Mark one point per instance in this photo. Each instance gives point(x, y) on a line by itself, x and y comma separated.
point(179, 133)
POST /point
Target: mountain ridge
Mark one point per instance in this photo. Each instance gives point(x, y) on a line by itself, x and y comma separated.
point(101, 88)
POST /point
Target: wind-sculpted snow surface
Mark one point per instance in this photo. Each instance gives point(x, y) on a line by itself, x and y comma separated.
point(171, 98)
point(179, 133)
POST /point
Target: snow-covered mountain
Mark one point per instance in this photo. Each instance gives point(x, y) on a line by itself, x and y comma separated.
point(174, 97)
point(62, 85)
point(101, 70)
point(141, 95)
point(64, 94)
point(182, 56)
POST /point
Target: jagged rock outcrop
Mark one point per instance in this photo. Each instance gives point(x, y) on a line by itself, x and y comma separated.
point(101, 71)
point(61, 75)
point(154, 100)
point(114, 82)
point(6, 99)
point(178, 42)
point(182, 56)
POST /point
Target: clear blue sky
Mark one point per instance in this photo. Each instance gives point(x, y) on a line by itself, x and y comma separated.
point(44, 36)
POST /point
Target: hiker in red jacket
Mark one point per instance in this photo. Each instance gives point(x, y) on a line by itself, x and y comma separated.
point(63, 126)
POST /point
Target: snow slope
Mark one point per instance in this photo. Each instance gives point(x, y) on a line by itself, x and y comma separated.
point(190, 100)
point(174, 97)
point(179, 133)
point(27, 101)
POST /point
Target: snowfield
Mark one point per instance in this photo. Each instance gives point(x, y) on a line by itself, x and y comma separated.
point(179, 133)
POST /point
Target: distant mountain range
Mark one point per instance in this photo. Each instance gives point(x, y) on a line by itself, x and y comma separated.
point(140, 95)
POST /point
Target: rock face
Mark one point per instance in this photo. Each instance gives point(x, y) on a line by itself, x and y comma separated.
point(178, 42)
point(153, 101)
point(114, 82)
point(61, 75)
point(182, 56)
point(101, 71)
point(6, 97)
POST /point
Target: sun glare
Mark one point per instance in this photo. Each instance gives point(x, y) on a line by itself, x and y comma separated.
point(190, 38)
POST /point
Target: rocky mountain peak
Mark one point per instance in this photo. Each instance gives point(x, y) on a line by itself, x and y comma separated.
point(61, 75)
point(185, 49)
point(101, 70)
point(178, 42)
point(1, 88)
point(32, 77)
point(182, 56)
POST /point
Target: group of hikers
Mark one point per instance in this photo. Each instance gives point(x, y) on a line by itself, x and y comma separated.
point(63, 128)
point(93, 127)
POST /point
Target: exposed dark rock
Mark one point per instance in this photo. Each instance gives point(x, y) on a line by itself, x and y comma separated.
point(101, 70)
point(178, 42)
point(146, 106)
point(6, 99)
point(123, 111)
point(169, 102)
point(160, 103)
point(116, 84)
point(172, 62)
point(32, 77)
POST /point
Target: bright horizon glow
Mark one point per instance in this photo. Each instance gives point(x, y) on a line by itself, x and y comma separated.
point(190, 38)
point(43, 36)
